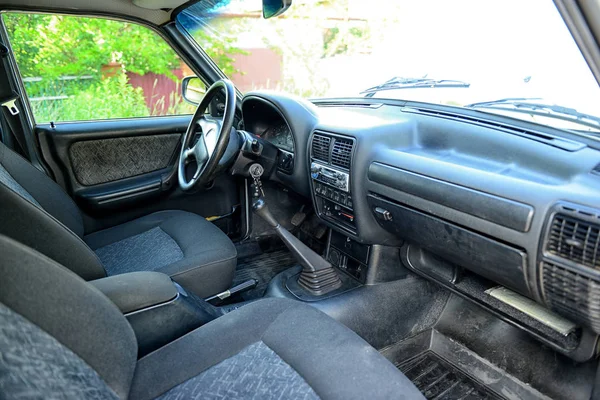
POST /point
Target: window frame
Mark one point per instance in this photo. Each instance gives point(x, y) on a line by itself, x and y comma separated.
point(165, 34)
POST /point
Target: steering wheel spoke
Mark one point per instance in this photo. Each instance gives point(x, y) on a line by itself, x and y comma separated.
point(211, 127)
point(187, 153)
point(213, 139)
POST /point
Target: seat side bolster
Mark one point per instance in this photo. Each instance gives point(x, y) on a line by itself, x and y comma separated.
point(53, 199)
point(72, 311)
point(34, 227)
point(333, 360)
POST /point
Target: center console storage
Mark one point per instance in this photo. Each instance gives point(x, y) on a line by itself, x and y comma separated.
point(368, 264)
point(349, 256)
point(158, 309)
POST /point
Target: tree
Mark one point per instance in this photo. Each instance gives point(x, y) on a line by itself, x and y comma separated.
point(50, 46)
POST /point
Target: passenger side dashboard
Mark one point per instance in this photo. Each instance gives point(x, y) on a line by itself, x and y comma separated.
point(478, 196)
point(514, 203)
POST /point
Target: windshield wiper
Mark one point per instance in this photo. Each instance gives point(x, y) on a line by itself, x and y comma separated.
point(530, 106)
point(410, 83)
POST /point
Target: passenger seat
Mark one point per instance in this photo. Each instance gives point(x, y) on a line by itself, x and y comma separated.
point(62, 338)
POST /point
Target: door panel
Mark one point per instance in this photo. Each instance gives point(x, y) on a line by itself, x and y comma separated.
point(118, 170)
point(108, 160)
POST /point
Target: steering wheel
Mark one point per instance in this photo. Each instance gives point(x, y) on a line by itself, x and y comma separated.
point(208, 146)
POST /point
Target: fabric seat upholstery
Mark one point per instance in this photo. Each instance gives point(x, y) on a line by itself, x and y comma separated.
point(184, 245)
point(269, 349)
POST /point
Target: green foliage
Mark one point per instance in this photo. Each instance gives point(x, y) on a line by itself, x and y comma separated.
point(58, 48)
point(221, 49)
point(346, 41)
point(57, 45)
point(109, 98)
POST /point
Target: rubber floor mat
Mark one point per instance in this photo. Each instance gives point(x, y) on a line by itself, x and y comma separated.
point(438, 379)
point(262, 267)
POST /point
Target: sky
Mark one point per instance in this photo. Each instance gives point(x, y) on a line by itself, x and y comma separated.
point(492, 44)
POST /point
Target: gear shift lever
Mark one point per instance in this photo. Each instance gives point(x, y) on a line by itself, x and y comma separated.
point(317, 276)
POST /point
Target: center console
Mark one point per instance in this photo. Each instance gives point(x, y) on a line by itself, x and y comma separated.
point(331, 159)
point(158, 309)
point(349, 256)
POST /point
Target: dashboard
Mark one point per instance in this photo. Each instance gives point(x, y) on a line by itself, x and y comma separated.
point(264, 120)
point(514, 203)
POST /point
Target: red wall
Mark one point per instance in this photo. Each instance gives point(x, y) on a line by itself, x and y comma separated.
point(262, 69)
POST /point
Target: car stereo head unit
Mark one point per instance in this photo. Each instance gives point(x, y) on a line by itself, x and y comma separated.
point(325, 174)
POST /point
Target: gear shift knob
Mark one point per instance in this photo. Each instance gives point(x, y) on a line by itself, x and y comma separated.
point(260, 208)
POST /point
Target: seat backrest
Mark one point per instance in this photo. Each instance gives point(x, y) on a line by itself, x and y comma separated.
point(35, 211)
point(59, 336)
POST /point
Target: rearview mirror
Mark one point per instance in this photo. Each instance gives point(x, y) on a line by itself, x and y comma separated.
point(192, 89)
point(273, 8)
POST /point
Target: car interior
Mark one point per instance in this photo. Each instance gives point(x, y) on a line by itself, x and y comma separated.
point(269, 246)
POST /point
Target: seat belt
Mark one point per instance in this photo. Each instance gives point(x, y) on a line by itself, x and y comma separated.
point(8, 102)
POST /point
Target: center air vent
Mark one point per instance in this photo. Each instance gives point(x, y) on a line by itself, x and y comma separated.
point(341, 154)
point(320, 147)
point(574, 239)
point(332, 149)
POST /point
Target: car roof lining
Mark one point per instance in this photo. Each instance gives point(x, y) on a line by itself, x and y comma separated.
point(122, 8)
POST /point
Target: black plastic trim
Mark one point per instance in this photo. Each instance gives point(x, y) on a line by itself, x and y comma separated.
point(508, 213)
point(484, 256)
point(476, 117)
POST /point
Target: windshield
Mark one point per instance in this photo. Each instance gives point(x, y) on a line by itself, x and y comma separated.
point(461, 53)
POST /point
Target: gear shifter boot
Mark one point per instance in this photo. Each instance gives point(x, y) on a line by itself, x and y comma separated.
point(318, 276)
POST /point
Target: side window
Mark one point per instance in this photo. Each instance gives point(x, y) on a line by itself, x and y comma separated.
point(78, 68)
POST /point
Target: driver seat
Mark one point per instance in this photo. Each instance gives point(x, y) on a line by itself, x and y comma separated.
point(37, 212)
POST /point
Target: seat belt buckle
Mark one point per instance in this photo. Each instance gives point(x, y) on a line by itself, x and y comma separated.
point(12, 106)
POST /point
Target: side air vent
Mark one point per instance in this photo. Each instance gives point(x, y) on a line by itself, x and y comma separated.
point(574, 295)
point(341, 154)
point(596, 170)
point(570, 264)
point(575, 239)
point(320, 147)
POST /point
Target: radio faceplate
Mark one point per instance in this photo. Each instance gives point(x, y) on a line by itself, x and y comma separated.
point(329, 176)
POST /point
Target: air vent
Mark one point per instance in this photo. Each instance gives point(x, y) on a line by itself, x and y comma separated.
point(320, 147)
point(341, 154)
point(575, 240)
point(596, 170)
point(571, 294)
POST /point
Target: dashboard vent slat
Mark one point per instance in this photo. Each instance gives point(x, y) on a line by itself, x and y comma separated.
point(341, 155)
point(320, 147)
point(575, 240)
